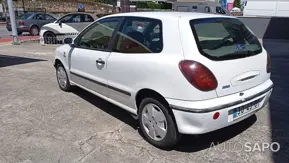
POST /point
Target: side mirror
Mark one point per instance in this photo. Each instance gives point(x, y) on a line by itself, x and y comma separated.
point(60, 24)
point(68, 41)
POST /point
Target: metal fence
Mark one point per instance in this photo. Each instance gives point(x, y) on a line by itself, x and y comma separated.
point(56, 39)
point(46, 39)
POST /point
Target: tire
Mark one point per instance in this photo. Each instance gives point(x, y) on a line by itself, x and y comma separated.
point(171, 136)
point(34, 31)
point(62, 78)
point(49, 38)
point(19, 33)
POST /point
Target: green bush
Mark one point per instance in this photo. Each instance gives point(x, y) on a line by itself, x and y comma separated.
point(150, 5)
point(237, 3)
point(141, 5)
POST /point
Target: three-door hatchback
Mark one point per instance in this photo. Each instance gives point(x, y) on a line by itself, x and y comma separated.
point(178, 73)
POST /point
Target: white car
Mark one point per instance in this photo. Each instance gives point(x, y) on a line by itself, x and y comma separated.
point(67, 26)
point(235, 9)
point(185, 73)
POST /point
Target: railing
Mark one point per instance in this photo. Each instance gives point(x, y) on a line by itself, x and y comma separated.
point(56, 39)
point(43, 40)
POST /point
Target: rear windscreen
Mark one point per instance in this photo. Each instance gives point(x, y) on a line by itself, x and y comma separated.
point(224, 38)
point(24, 16)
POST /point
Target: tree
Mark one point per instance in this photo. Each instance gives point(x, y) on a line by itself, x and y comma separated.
point(237, 3)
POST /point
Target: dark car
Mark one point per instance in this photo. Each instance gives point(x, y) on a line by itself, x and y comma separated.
point(31, 22)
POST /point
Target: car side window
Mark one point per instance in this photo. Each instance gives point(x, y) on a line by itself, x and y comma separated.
point(65, 18)
point(139, 35)
point(73, 18)
point(76, 19)
point(88, 18)
point(40, 17)
point(48, 17)
point(219, 10)
point(98, 35)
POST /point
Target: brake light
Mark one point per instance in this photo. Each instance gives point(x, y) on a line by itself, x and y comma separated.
point(21, 22)
point(198, 75)
point(268, 67)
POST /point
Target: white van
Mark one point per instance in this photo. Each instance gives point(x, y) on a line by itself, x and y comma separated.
point(267, 8)
point(200, 6)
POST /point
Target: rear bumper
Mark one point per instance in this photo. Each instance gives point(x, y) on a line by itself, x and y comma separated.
point(196, 117)
point(19, 28)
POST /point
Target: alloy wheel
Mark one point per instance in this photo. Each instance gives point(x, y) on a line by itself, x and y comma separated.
point(154, 122)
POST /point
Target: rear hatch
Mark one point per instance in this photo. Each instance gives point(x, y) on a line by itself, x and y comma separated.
point(232, 53)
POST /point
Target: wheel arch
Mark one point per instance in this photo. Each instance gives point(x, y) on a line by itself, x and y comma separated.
point(48, 32)
point(57, 62)
point(34, 25)
point(146, 92)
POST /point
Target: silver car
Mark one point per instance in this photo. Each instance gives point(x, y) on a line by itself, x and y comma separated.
point(31, 22)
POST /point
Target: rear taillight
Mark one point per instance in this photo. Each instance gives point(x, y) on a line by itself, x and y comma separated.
point(268, 67)
point(198, 75)
point(21, 22)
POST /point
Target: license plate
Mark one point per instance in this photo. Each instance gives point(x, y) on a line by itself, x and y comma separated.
point(243, 110)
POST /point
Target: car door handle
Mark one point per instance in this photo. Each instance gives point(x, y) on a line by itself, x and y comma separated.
point(100, 61)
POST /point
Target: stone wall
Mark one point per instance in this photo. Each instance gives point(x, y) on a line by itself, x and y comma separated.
point(63, 6)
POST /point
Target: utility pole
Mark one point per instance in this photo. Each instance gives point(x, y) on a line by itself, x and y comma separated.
point(13, 23)
point(125, 5)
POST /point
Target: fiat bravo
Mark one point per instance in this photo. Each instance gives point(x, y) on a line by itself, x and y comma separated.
point(177, 73)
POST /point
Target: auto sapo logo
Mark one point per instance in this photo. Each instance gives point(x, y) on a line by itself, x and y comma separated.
point(247, 147)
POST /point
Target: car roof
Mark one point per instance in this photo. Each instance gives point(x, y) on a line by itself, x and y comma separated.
point(84, 13)
point(168, 14)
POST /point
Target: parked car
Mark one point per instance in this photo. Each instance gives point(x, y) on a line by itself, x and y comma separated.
point(236, 11)
point(31, 22)
point(263, 8)
point(67, 26)
point(184, 73)
point(99, 15)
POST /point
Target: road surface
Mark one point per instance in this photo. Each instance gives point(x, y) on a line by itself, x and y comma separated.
point(3, 31)
point(5, 35)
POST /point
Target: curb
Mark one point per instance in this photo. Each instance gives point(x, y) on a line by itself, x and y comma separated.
point(33, 40)
point(21, 39)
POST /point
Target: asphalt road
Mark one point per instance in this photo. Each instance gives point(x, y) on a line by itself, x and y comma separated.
point(3, 31)
point(40, 123)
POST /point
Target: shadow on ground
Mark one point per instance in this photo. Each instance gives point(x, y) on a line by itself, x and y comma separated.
point(6, 60)
point(279, 103)
point(107, 107)
point(188, 143)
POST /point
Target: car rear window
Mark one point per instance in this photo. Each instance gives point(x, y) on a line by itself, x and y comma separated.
point(224, 38)
point(25, 16)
